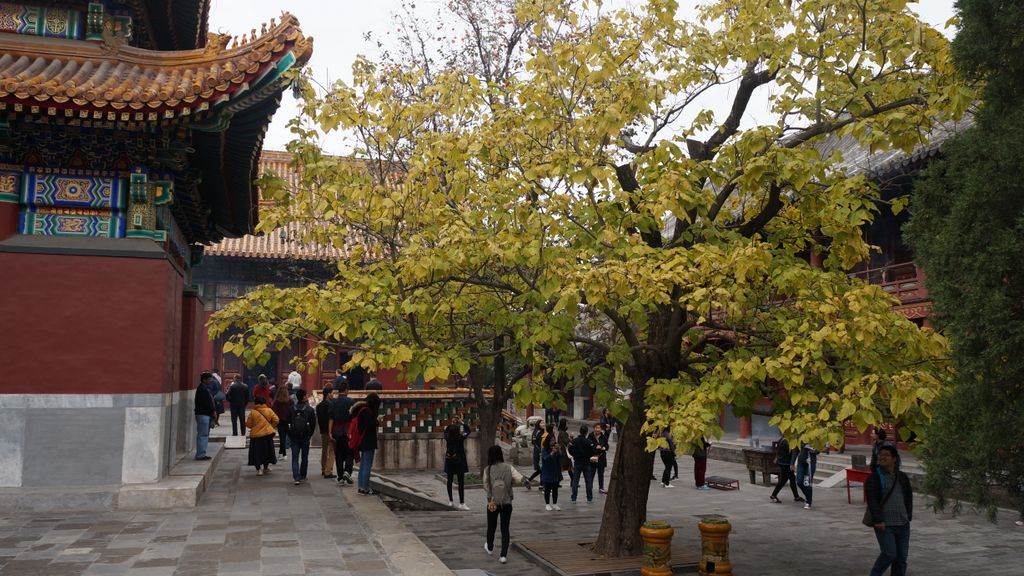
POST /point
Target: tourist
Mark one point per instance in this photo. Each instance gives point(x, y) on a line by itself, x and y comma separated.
point(806, 462)
point(283, 408)
point(374, 384)
point(582, 450)
point(301, 427)
point(455, 464)
point(891, 506)
point(700, 462)
point(563, 438)
point(600, 440)
point(340, 417)
point(535, 441)
point(204, 411)
point(668, 458)
point(609, 423)
point(498, 479)
point(213, 385)
point(262, 390)
point(339, 377)
point(323, 423)
point(238, 398)
point(262, 422)
point(784, 458)
point(879, 437)
point(366, 414)
point(294, 384)
point(550, 472)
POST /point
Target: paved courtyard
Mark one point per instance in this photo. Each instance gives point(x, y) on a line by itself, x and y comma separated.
point(264, 525)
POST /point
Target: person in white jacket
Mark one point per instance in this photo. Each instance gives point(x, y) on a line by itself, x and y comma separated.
point(499, 478)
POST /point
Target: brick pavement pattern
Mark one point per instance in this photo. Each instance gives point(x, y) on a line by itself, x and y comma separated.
point(244, 525)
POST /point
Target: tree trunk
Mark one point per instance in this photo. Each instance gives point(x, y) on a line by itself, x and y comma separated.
point(625, 508)
point(490, 416)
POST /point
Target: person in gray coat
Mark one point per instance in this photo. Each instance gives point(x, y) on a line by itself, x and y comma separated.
point(499, 478)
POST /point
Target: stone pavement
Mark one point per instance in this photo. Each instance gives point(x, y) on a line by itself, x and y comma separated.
point(767, 539)
point(244, 525)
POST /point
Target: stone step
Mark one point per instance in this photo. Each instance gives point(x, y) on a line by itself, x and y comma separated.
point(392, 488)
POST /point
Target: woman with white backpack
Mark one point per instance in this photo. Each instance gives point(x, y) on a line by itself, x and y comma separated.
point(499, 478)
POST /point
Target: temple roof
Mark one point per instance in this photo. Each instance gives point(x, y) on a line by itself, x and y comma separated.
point(131, 86)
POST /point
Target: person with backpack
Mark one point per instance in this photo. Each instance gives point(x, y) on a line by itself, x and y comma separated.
point(363, 436)
point(301, 428)
point(283, 408)
point(890, 510)
point(784, 458)
point(498, 480)
point(582, 450)
point(550, 471)
point(323, 419)
point(262, 422)
point(455, 462)
point(338, 424)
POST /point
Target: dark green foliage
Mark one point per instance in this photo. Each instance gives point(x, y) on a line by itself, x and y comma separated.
point(967, 230)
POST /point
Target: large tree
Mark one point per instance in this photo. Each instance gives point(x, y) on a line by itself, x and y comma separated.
point(608, 210)
point(967, 229)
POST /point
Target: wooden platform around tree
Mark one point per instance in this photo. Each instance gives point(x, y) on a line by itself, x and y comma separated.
point(575, 558)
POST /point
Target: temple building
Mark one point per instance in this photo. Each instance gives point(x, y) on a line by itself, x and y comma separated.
point(129, 141)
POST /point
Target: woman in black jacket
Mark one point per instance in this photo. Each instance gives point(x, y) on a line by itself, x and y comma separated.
point(455, 465)
point(784, 458)
point(366, 415)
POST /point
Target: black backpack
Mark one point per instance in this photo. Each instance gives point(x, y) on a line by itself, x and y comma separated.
point(300, 426)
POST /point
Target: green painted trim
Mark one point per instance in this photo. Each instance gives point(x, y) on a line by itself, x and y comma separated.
point(10, 198)
point(155, 235)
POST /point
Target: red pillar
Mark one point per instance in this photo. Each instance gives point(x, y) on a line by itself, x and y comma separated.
point(745, 427)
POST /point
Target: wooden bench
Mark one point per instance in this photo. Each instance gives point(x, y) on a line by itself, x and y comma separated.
point(762, 461)
point(722, 483)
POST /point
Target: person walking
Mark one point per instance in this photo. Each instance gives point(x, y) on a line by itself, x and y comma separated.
point(323, 421)
point(563, 438)
point(550, 472)
point(283, 408)
point(600, 441)
point(238, 398)
point(262, 390)
point(784, 458)
point(340, 417)
point(535, 441)
point(880, 439)
point(891, 507)
point(366, 414)
point(498, 479)
point(261, 422)
point(204, 411)
point(301, 427)
point(700, 462)
point(455, 464)
point(668, 458)
point(582, 450)
point(806, 463)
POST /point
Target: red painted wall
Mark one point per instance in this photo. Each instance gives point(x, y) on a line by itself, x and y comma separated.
point(8, 219)
point(91, 324)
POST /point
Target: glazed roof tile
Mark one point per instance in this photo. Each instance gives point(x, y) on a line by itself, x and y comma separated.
point(118, 82)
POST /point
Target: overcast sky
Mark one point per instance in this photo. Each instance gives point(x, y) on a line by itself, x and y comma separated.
point(338, 29)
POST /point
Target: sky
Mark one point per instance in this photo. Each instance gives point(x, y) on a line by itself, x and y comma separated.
point(338, 28)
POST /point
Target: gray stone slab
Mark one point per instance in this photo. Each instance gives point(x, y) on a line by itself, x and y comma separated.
point(73, 443)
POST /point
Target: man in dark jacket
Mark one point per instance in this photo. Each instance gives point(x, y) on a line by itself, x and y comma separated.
point(323, 423)
point(301, 428)
point(785, 458)
point(204, 411)
point(891, 504)
point(367, 422)
point(238, 397)
point(582, 449)
point(339, 417)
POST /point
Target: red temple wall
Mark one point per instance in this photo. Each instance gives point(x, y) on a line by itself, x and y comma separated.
point(8, 219)
point(98, 324)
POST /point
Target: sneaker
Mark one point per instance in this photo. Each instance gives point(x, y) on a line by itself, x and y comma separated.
point(573, 500)
point(602, 491)
point(705, 487)
point(526, 484)
point(502, 559)
point(591, 501)
point(451, 504)
point(548, 507)
point(463, 507)
point(668, 486)
point(259, 471)
point(807, 506)
point(486, 549)
point(297, 482)
point(798, 499)
point(348, 478)
point(557, 507)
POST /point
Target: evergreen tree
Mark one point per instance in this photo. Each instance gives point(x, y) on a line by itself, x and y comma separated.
point(967, 229)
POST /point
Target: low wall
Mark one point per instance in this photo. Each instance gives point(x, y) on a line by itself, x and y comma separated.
point(419, 451)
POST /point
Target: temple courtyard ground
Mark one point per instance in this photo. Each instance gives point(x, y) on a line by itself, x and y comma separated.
point(246, 524)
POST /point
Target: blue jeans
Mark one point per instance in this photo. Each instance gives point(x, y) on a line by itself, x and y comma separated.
point(300, 452)
point(587, 471)
point(894, 542)
point(237, 412)
point(365, 464)
point(202, 435)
